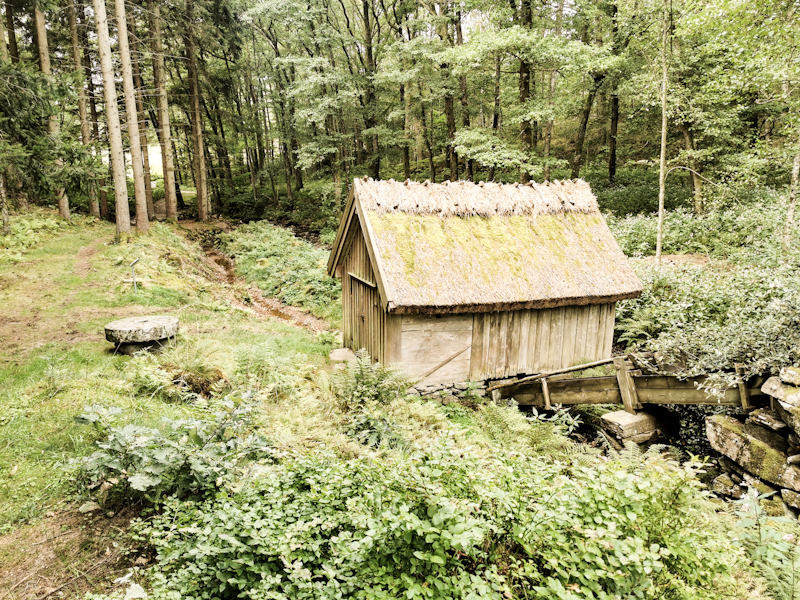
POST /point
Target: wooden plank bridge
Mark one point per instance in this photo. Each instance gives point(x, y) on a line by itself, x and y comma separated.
point(629, 387)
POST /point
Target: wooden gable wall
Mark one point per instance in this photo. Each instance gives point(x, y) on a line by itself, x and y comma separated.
point(363, 317)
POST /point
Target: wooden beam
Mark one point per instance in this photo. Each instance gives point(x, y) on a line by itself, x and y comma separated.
point(374, 256)
point(744, 393)
point(596, 363)
point(546, 394)
point(627, 388)
point(362, 280)
point(447, 360)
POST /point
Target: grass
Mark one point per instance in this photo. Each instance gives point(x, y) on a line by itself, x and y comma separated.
point(60, 291)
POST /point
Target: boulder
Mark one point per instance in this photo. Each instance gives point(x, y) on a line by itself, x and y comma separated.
point(136, 330)
point(790, 375)
point(727, 436)
point(789, 394)
point(725, 486)
point(791, 498)
point(342, 355)
point(767, 418)
point(625, 425)
point(769, 437)
point(791, 416)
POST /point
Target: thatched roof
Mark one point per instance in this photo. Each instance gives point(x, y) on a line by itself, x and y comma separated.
point(464, 247)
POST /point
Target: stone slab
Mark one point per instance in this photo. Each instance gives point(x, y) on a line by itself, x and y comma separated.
point(727, 436)
point(769, 437)
point(342, 355)
point(768, 418)
point(141, 329)
point(625, 425)
point(777, 389)
point(790, 375)
point(790, 415)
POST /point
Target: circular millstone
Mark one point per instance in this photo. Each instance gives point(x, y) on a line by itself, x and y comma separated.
point(141, 329)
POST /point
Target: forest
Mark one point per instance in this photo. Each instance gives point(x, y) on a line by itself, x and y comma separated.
point(205, 149)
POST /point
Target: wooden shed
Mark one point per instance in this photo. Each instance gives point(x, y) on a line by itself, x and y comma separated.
point(462, 281)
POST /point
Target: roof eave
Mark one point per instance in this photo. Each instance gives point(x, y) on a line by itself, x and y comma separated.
point(512, 306)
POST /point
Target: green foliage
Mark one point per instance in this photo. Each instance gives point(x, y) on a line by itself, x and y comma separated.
point(507, 426)
point(771, 543)
point(31, 230)
point(187, 459)
point(363, 383)
point(444, 524)
point(374, 428)
point(270, 369)
point(285, 267)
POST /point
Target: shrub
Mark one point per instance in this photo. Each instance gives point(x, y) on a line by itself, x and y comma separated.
point(446, 524)
point(188, 459)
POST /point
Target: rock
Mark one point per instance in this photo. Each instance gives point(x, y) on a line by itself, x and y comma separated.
point(132, 348)
point(777, 389)
point(342, 355)
point(758, 485)
point(727, 487)
point(775, 507)
point(642, 438)
point(790, 375)
point(135, 330)
point(462, 386)
point(791, 498)
point(625, 425)
point(793, 439)
point(736, 477)
point(727, 465)
point(791, 416)
point(794, 459)
point(448, 400)
point(767, 418)
point(727, 436)
point(88, 507)
point(767, 436)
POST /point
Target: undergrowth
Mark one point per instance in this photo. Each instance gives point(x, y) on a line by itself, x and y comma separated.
point(285, 267)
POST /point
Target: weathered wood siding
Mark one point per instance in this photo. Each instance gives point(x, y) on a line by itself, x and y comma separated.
point(363, 317)
point(505, 344)
point(428, 340)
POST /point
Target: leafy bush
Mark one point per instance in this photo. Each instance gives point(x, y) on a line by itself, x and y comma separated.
point(285, 267)
point(771, 544)
point(188, 459)
point(445, 524)
point(375, 429)
point(707, 321)
point(265, 368)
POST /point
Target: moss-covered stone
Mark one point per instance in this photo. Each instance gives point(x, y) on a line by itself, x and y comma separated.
point(789, 394)
point(727, 436)
point(790, 375)
point(789, 414)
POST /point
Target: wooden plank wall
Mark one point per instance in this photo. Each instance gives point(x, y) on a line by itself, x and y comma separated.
point(363, 317)
point(428, 340)
point(505, 344)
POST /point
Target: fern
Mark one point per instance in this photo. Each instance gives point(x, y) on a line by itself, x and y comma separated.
point(363, 382)
point(509, 428)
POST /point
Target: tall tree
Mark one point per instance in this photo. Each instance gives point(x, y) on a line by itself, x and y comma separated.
point(86, 136)
point(197, 123)
point(164, 129)
point(142, 220)
point(44, 64)
point(112, 120)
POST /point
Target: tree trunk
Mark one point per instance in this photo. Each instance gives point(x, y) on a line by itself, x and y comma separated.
point(86, 135)
point(87, 66)
point(612, 139)
point(164, 133)
point(697, 182)
point(577, 157)
point(52, 125)
point(450, 115)
point(496, 111)
point(428, 144)
point(370, 108)
point(789, 225)
point(548, 131)
point(139, 87)
point(465, 116)
point(526, 132)
point(4, 57)
point(662, 172)
point(142, 222)
point(12, 33)
point(112, 116)
point(405, 100)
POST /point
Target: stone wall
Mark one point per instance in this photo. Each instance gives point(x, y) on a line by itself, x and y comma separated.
point(449, 390)
point(763, 452)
